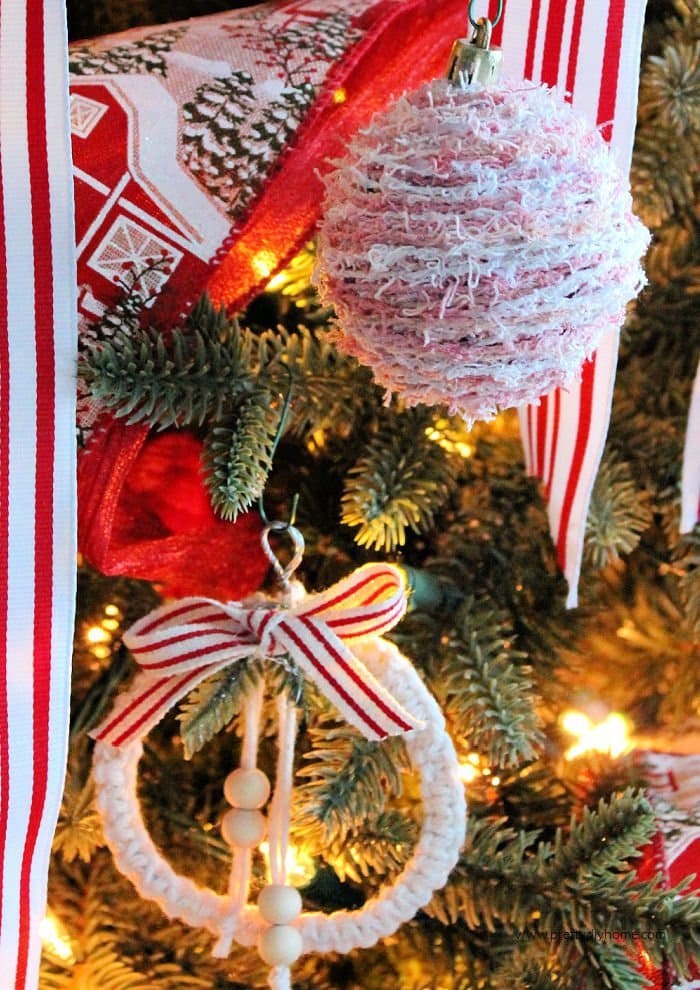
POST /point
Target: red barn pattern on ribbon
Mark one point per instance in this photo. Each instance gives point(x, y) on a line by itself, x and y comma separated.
point(182, 134)
point(591, 53)
point(37, 464)
point(674, 788)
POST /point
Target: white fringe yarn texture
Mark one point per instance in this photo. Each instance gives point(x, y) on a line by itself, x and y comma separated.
point(442, 832)
point(476, 244)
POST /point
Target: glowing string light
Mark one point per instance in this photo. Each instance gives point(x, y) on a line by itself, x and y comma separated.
point(611, 736)
point(56, 940)
point(300, 865)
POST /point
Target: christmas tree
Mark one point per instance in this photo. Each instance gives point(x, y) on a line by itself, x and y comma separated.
point(287, 424)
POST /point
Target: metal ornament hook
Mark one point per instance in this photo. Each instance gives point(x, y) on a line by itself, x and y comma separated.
point(482, 34)
point(284, 573)
point(475, 23)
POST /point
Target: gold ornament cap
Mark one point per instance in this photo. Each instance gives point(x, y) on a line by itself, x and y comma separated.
point(475, 61)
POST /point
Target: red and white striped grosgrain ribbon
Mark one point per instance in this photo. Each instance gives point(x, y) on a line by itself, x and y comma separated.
point(690, 483)
point(180, 644)
point(37, 451)
point(591, 52)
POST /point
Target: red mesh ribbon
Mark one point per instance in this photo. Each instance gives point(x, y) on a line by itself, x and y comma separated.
point(144, 512)
point(196, 148)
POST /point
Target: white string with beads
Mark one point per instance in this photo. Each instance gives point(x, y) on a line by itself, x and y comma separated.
point(279, 977)
point(242, 856)
point(239, 880)
point(430, 751)
point(278, 827)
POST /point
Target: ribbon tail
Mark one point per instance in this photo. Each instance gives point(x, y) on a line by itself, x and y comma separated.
point(368, 602)
point(148, 699)
point(344, 680)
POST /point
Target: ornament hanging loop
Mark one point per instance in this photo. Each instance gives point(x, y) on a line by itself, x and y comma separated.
point(283, 572)
point(475, 23)
point(482, 34)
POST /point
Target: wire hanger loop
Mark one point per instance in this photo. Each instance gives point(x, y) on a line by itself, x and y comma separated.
point(475, 23)
point(283, 572)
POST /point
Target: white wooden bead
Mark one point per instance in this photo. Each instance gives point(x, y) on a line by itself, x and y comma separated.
point(280, 945)
point(243, 827)
point(246, 788)
point(279, 904)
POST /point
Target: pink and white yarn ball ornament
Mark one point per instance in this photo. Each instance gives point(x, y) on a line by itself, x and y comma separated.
point(331, 637)
point(476, 243)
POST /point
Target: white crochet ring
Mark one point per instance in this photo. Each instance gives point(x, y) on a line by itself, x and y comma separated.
point(432, 755)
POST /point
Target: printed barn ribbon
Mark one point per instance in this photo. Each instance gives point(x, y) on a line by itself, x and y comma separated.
point(180, 644)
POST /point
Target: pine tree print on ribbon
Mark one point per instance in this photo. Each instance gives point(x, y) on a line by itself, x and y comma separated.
point(142, 56)
point(230, 135)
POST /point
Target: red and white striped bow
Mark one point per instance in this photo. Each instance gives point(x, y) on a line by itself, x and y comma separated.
point(180, 644)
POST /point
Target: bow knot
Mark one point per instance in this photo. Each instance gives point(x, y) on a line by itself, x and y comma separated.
point(263, 622)
point(180, 644)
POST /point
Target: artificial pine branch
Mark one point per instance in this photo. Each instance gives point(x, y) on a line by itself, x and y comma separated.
point(665, 180)
point(488, 689)
point(330, 392)
point(532, 966)
point(79, 829)
point(377, 849)
point(89, 893)
point(619, 512)
point(182, 382)
point(345, 778)
point(399, 483)
point(603, 840)
point(601, 963)
point(505, 875)
point(238, 454)
point(214, 703)
point(640, 651)
point(507, 878)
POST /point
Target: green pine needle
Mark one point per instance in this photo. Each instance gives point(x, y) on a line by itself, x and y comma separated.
point(400, 482)
point(618, 514)
point(214, 704)
point(238, 454)
point(488, 689)
point(346, 779)
point(378, 848)
point(182, 382)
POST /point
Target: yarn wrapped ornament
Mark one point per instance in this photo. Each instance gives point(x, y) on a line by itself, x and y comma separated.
point(476, 243)
point(334, 639)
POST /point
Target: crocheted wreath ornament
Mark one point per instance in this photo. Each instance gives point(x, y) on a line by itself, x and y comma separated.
point(476, 243)
point(372, 685)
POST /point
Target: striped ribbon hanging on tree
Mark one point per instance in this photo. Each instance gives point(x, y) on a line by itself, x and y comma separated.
point(591, 52)
point(690, 484)
point(37, 444)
